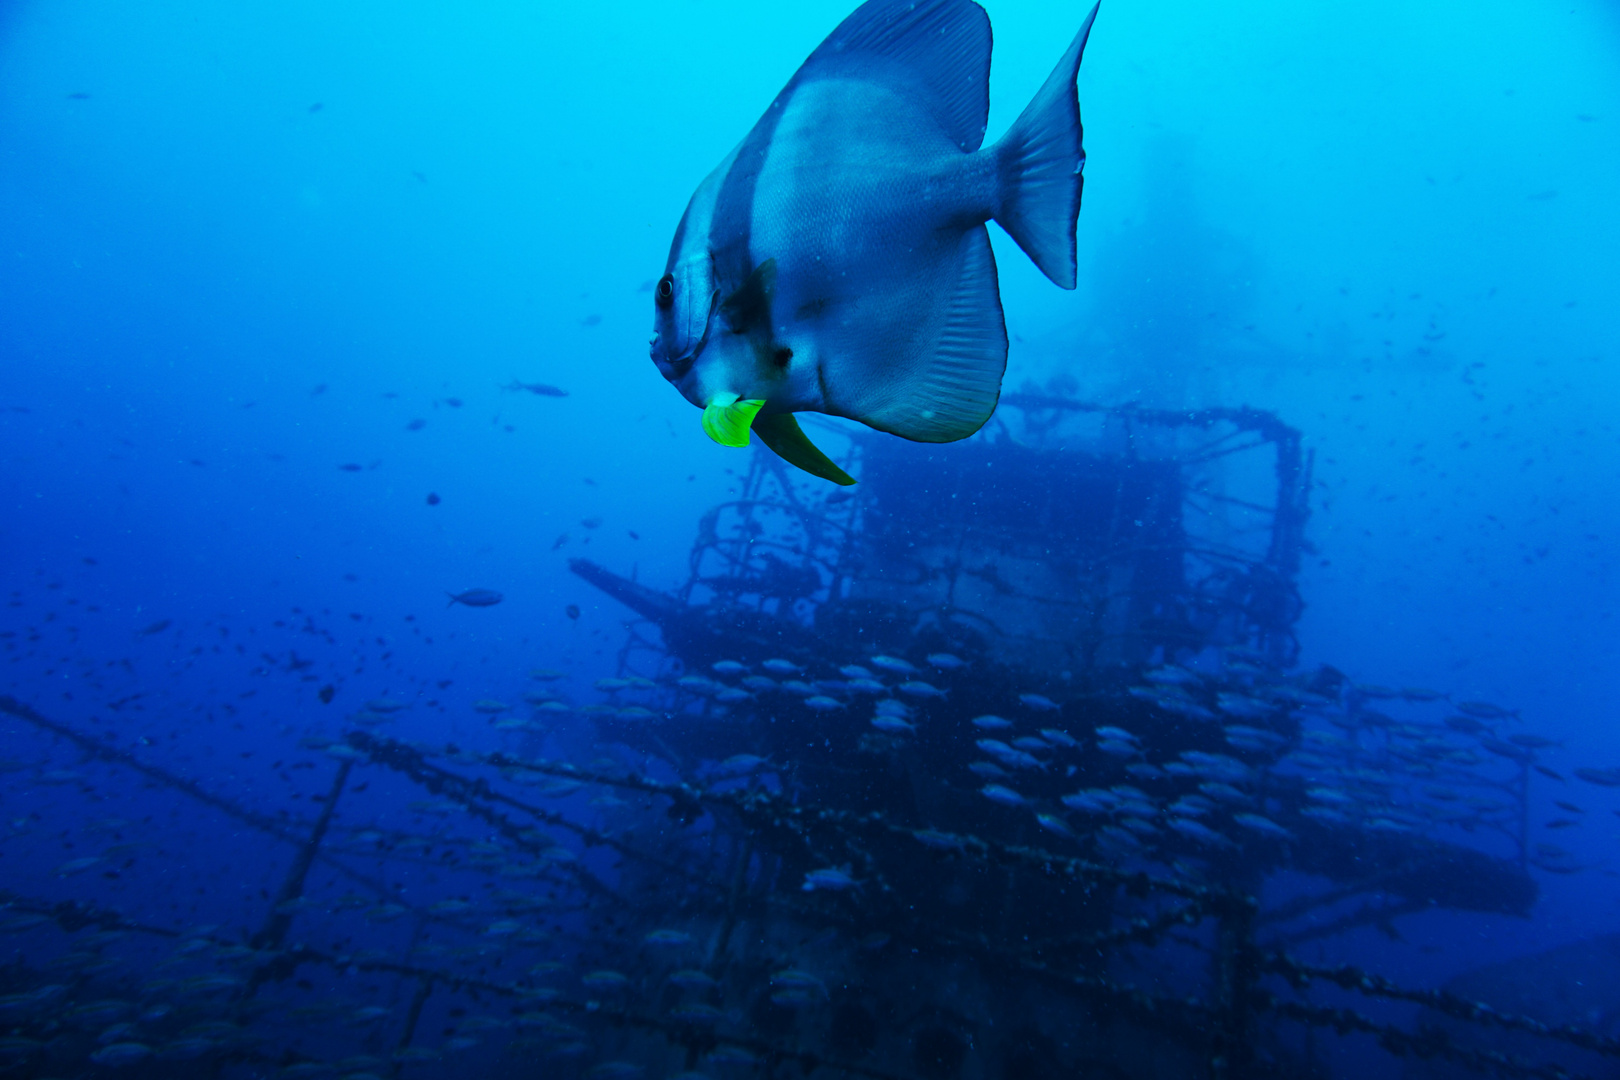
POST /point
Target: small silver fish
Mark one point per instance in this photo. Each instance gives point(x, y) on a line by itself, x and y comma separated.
point(1186, 806)
point(1223, 792)
point(939, 841)
point(475, 598)
point(1140, 826)
point(121, 1053)
point(605, 980)
point(1484, 710)
point(1120, 838)
point(1119, 749)
point(739, 764)
point(1087, 802)
point(1007, 755)
point(1201, 833)
point(1262, 825)
point(918, 689)
point(796, 979)
point(1002, 794)
point(1170, 675)
point(1240, 705)
point(1053, 823)
point(1241, 732)
point(832, 879)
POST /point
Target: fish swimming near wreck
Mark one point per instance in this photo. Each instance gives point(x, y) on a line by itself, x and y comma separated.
point(837, 261)
point(475, 598)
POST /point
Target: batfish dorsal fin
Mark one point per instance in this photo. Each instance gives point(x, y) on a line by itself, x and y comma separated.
point(750, 305)
point(949, 387)
point(939, 48)
point(782, 434)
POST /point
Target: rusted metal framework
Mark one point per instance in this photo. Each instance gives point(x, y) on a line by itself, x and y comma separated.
point(1069, 537)
point(911, 982)
point(1067, 551)
point(806, 871)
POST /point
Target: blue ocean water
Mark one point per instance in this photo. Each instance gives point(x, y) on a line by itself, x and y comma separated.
point(270, 280)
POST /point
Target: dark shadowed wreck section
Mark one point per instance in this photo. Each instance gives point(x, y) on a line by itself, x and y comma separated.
point(1000, 766)
point(1033, 701)
point(1575, 988)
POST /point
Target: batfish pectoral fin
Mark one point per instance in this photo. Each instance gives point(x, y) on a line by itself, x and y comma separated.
point(727, 419)
point(782, 434)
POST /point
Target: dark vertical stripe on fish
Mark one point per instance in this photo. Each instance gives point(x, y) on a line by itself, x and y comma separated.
point(731, 223)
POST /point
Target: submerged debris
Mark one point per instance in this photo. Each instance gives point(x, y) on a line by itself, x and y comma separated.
point(998, 835)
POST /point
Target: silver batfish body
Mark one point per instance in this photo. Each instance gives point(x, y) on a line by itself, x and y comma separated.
point(837, 261)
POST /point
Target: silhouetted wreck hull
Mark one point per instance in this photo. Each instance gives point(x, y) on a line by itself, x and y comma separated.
point(1058, 566)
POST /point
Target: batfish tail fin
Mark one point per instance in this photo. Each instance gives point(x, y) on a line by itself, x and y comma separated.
point(1040, 161)
point(782, 433)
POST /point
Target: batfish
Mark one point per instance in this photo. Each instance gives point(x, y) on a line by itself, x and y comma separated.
point(838, 262)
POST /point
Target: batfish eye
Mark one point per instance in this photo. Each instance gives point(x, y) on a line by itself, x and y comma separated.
point(664, 295)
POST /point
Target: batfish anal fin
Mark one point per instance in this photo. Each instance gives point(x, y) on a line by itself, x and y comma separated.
point(750, 305)
point(726, 419)
point(937, 48)
point(782, 434)
point(950, 387)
